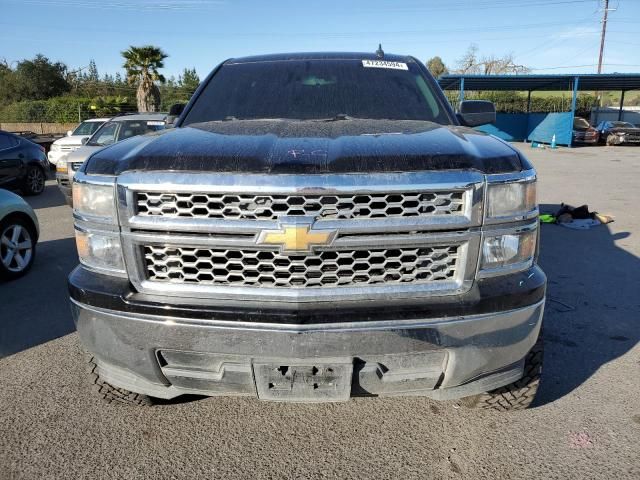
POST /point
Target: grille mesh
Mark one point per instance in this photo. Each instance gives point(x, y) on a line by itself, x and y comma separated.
point(271, 207)
point(250, 267)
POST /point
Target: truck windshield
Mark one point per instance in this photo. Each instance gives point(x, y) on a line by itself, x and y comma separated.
point(317, 90)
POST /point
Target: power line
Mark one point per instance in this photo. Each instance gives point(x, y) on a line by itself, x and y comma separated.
point(199, 5)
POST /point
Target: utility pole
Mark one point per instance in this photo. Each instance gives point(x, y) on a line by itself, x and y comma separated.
point(604, 32)
point(605, 15)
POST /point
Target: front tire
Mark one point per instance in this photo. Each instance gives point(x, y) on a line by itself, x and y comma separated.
point(518, 395)
point(34, 181)
point(111, 394)
point(17, 247)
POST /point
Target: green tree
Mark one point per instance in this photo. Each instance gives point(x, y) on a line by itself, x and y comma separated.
point(7, 84)
point(189, 80)
point(142, 65)
point(37, 79)
point(437, 67)
point(92, 72)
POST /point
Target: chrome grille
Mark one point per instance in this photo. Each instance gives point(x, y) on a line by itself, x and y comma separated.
point(271, 207)
point(197, 235)
point(262, 268)
point(75, 166)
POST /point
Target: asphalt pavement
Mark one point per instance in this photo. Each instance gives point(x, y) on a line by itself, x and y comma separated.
point(585, 422)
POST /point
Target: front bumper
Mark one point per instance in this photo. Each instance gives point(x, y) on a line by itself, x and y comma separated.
point(55, 156)
point(64, 184)
point(586, 140)
point(443, 356)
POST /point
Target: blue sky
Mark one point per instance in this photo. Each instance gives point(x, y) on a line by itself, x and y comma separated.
point(542, 34)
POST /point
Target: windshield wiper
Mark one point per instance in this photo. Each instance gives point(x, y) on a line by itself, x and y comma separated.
point(337, 117)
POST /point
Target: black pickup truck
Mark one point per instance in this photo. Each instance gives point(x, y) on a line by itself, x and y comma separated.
point(315, 227)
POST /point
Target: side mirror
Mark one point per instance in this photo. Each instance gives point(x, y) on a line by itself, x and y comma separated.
point(84, 140)
point(473, 113)
point(176, 109)
point(174, 112)
point(69, 133)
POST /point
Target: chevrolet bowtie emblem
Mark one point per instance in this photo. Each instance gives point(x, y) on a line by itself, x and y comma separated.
point(296, 238)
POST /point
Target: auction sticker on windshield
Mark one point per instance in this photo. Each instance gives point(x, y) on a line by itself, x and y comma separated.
point(384, 64)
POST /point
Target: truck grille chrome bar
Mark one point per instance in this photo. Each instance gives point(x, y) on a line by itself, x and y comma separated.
point(255, 268)
point(272, 207)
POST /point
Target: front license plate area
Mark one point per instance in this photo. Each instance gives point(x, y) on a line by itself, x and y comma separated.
point(313, 382)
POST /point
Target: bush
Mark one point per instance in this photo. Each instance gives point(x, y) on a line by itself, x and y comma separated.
point(516, 102)
point(65, 109)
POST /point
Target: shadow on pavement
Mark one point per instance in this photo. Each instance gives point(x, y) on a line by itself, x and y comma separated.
point(593, 304)
point(591, 318)
point(35, 308)
point(51, 197)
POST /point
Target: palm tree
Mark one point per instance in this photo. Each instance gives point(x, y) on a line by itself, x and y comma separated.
point(142, 65)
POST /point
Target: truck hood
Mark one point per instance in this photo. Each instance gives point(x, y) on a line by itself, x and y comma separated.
point(81, 154)
point(289, 146)
point(73, 140)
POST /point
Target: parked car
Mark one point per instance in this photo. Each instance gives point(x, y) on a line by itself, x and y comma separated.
point(19, 232)
point(618, 133)
point(115, 130)
point(45, 140)
point(23, 164)
point(317, 226)
point(74, 139)
point(583, 132)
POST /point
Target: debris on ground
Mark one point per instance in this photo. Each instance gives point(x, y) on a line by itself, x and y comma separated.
point(578, 218)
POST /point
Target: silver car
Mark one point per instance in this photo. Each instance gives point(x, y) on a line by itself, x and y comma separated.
point(117, 129)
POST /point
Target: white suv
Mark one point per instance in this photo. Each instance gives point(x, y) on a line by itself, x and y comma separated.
point(74, 138)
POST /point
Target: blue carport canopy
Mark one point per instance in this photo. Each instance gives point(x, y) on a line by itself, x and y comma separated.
point(528, 83)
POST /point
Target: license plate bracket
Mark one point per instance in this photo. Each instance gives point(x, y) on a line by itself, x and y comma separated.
point(304, 382)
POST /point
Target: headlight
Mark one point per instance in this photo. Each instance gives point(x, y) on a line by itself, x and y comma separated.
point(61, 167)
point(513, 201)
point(100, 251)
point(95, 200)
point(54, 148)
point(508, 252)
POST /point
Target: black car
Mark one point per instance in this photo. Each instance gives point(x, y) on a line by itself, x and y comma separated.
point(23, 164)
point(618, 133)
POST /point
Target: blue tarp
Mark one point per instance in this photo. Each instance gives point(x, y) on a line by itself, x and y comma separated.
point(511, 127)
point(543, 126)
point(535, 127)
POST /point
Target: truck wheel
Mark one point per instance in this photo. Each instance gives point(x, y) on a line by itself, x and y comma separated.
point(111, 394)
point(518, 395)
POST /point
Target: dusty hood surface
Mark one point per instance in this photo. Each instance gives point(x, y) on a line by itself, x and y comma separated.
point(287, 146)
